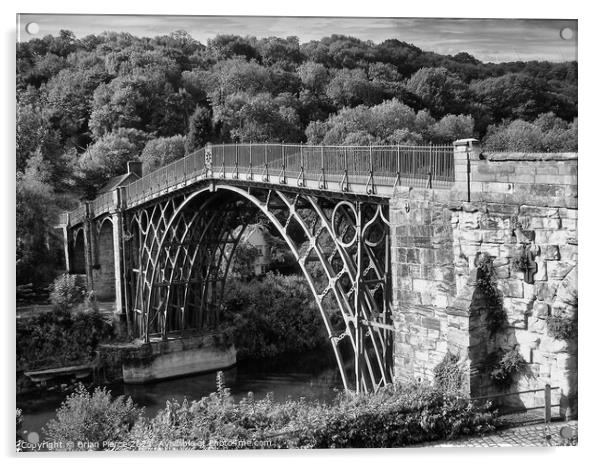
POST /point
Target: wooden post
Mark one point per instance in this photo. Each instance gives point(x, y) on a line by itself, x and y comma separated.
point(548, 403)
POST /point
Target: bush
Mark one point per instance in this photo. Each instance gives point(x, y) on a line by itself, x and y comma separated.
point(398, 415)
point(60, 338)
point(274, 315)
point(86, 421)
point(67, 291)
point(495, 317)
point(448, 374)
point(393, 417)
point(562, 326)
point(504, 367)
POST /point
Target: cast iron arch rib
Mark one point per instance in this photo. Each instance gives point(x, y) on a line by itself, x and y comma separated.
point(185, 244)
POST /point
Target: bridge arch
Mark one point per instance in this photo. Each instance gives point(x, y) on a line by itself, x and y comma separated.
point(185, 246)
point(78, 257)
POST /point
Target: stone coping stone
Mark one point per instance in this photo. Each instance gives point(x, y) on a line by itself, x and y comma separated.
point(530, 156)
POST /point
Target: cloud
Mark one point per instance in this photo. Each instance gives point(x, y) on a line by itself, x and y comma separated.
point(487, 39)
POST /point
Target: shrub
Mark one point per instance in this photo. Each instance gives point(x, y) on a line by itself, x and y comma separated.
point(274, 315)
point(67, 291)
point(86, 421)
point(19, 419)
point(60, 338)
point(495, 317)
point(504, 367)
point(448, 374)
point(562, 327)
point(395, 416)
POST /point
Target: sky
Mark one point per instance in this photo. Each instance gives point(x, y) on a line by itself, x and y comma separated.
point(489, 40)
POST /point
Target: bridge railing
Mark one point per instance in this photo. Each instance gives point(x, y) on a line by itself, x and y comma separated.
point(424, 166)
point(334, 167)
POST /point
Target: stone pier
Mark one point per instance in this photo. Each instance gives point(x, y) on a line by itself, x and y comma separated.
point(520, 210)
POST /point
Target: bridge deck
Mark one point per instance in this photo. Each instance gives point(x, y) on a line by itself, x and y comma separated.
point(354, 170)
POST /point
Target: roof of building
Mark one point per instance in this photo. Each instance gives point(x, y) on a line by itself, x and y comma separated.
point(117, 181)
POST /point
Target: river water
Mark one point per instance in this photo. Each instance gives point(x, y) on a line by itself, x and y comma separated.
point(313, 375)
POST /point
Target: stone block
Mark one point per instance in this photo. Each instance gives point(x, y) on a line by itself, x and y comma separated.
point(526, 353)
point(568, 252)
point(491, 248)
point(528, 291)
point(495, 236)
point(440, 300)
point(499, 262)
point(503, 272)
point(533, 211)
point(469, 220)
point(420, 285)
point(551, 252)
point(511, 288)
point(431, 323)
point(565, 213)
point(541, 310)
point(538, 326)
point(557, 270)
point(550, 345)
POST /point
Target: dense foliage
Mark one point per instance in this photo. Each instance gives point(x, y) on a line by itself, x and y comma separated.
point(396, 416)
point(85, 106)
point(60, 338)
point(489, 296)
point(67, 291)
point(88, 421)
point(504, 367)
point(562, 326)
point(448, 375)
point(272, 315)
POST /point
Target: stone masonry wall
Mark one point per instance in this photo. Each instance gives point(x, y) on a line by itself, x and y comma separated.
point(519, 204)
point(104, 268)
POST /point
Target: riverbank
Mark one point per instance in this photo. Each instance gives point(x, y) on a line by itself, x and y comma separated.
point(312, 375)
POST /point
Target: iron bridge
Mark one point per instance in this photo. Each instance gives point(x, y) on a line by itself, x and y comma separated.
point(163, 244)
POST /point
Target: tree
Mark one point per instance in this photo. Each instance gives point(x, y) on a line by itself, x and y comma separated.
point(34, 132)
point(521, 96)
point(108, 157)
point(70, 98)
point(349, 88)
point(200, 129)
point(279, 51)
point(162, 151)
point(314, 77)
point(451, 128)
point(144, 101)
point(441, 91)
point(37, 209)
point(224, 47)
point(546, 134)
point(233, 76)
point(259, 118)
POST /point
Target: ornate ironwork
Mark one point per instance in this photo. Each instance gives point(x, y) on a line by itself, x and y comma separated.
point(182, 247)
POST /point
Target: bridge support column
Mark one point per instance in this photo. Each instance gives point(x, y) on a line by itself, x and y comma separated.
point(89, 247)
point(117, 221)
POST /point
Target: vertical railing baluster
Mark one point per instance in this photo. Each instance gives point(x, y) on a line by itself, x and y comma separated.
point(282, 178)
point(322, 180)
point(265, 163)
point(236, 160)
